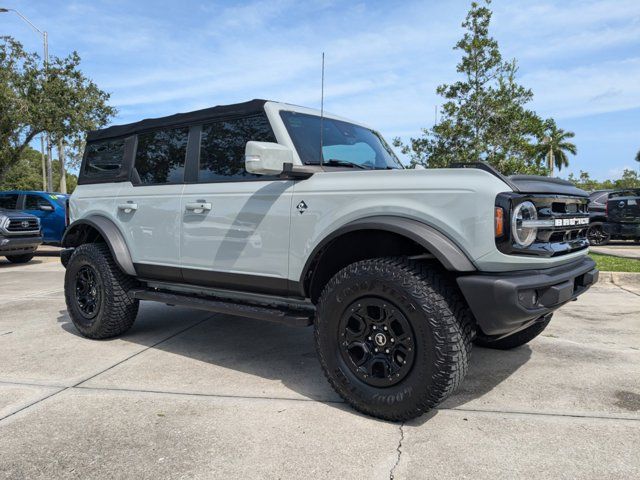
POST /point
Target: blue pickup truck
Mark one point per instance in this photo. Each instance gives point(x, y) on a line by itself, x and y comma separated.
point(48, 207)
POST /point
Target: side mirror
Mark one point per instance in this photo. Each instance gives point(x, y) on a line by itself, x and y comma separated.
point(46, 208)
point(266, 158)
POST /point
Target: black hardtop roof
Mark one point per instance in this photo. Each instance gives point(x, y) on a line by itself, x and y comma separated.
point(220, 111)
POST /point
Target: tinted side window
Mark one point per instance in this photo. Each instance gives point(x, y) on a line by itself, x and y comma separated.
point(160, 156)
point(104, 159)
point(9, 201)
point(222, 146)
point(34, 202)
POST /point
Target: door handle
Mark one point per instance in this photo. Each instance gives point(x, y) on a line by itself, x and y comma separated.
point(198, 207)
point(128, 207)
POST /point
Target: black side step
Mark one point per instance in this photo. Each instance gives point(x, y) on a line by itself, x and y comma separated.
point(292, 318)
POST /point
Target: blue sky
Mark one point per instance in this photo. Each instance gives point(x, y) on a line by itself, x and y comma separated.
point(384, 59)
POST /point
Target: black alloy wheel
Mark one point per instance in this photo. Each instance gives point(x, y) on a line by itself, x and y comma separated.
point(376, 342)
point(597, 236)
point(88, 291)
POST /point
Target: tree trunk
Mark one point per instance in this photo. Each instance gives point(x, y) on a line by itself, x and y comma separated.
point(550, 162)
point(63, 172)
point(44, 164)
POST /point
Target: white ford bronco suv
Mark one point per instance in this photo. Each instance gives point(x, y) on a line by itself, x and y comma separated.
point(272, 211)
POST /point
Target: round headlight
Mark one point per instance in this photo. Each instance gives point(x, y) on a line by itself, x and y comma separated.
point(524, 236)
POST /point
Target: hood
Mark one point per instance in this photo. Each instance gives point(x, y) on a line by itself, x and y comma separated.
point(539, 184)
point(14, 214)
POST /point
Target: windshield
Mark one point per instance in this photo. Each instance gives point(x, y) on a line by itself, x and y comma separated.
point(343, 144)
point(625, 193)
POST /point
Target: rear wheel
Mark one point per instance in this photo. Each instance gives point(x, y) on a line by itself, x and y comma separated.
point(597, 235)
point(515, 340)
point(20, 258)
point(96, 293)
point(393, 337)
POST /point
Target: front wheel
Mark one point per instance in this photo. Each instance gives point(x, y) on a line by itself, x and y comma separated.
point(26, 258)
point(596, 235)
point(393, 337)
point(96, 292)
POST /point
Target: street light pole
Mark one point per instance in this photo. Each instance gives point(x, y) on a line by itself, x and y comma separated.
point(46, 162)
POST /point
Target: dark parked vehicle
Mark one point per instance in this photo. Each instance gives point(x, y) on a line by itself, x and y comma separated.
point(19, 235)
point(623, 215)
point(597, 217)
point(48, 207)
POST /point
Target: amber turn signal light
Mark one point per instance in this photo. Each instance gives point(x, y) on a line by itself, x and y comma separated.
point(499, 221)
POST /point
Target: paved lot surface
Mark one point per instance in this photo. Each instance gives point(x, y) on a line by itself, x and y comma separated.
point(187, 394)
point(619, 249)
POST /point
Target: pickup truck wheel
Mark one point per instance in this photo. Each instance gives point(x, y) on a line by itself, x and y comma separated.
point(20, 258)
point(515, 340)
point(393, 337)
point(596, 234)
point(96, 293)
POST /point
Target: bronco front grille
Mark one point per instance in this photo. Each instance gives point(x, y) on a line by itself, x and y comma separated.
point(564, 221)
point(23, 225)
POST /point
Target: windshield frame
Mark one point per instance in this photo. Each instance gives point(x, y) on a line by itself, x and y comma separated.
point(392, 162)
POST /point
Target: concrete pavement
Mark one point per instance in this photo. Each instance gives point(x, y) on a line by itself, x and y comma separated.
point(188, 394)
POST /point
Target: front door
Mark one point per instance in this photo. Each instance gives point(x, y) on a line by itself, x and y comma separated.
point(49, 213)
point(235, 225)
point(148, 207)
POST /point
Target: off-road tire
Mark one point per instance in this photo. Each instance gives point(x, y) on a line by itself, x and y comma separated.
point(116, 311)
point(26, 258)
point(441, 324)
point(515, 340)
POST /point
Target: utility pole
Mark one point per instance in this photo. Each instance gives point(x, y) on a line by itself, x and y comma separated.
point(46, 162)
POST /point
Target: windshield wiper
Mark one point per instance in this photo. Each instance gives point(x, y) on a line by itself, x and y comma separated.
point(344, 163)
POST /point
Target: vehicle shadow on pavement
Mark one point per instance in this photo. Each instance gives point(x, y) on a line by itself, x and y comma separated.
point(222, 355)
point(8, 265)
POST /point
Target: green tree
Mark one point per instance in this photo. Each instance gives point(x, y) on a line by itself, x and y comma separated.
point(27, 173)
point(484, 117)
point(629, 180)
point(60, 100)
point(638, 156)
point(553, 146)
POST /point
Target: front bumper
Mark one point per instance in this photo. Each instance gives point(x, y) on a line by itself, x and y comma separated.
point(622, 229)
point(504, 303)
point(19, 245)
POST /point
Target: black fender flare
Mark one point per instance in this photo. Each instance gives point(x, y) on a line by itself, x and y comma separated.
point(112, 236)
point(435, 242)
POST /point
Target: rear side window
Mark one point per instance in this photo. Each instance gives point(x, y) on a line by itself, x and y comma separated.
point(160, 156)
point(601, 199)
point(222, 146)
point(104, 159)
point(8, 201)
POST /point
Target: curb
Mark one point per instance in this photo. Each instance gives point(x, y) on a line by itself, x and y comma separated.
point(629, 281)
point(617, 254)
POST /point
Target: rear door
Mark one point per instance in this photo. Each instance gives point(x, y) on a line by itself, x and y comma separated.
point(148, 207)
point(235, 225)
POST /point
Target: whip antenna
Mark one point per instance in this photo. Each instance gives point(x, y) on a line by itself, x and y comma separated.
point(321, 107)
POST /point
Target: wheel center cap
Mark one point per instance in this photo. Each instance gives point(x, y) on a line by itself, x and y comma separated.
point(380, 339)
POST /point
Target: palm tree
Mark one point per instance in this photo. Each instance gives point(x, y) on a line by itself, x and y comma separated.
point(638, 156)
point(553, 146)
